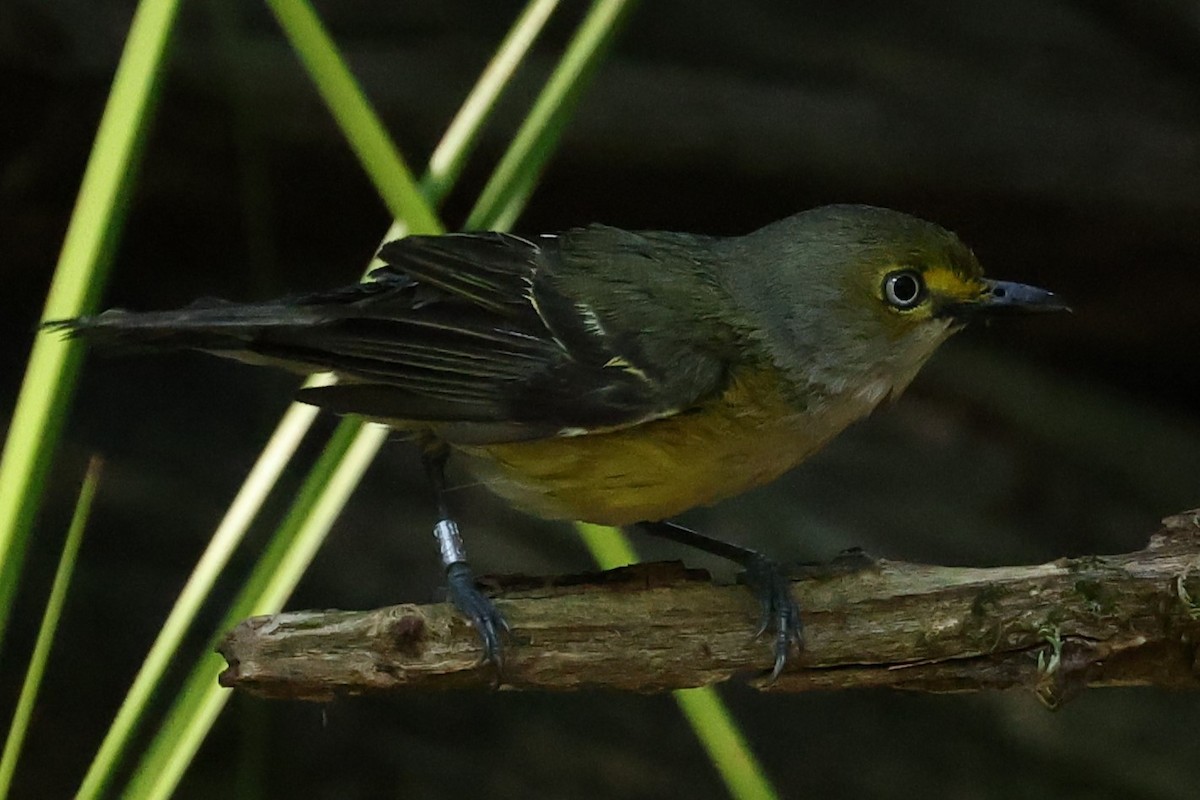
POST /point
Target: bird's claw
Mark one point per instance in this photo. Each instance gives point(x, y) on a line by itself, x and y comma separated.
point(780, 612)
point(480, 611)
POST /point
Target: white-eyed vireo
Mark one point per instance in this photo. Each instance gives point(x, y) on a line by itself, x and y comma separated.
point(616, 377)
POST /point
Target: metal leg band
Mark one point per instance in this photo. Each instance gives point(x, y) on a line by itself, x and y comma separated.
point(450, 543)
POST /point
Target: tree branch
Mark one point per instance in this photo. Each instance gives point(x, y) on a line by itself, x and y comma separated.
point(1131, 619)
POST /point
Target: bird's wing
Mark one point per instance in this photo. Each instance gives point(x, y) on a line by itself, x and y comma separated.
point(492, 337)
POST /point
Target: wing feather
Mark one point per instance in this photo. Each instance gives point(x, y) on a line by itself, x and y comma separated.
point(482, 336)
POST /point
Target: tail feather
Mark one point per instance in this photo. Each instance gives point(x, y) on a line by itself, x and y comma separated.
point(208, 325)
point(469, 330)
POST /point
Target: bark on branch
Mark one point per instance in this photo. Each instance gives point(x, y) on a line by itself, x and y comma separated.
point(1131, 619)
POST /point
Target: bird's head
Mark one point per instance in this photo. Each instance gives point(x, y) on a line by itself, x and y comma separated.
point(856, 293)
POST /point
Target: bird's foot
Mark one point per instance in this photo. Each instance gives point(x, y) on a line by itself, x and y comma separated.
point(780, 612)
point(479, 610)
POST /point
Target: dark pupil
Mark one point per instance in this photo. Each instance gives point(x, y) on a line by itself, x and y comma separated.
point(904, 289)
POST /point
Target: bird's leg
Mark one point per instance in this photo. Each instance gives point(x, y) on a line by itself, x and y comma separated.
point(780, 613)
point(472, 603)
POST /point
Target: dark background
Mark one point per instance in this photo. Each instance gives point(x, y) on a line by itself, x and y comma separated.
point(1060, 139)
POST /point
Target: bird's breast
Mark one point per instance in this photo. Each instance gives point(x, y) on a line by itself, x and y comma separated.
point(748, 436)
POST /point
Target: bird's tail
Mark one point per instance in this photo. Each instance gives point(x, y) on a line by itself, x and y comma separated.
point(211, 325)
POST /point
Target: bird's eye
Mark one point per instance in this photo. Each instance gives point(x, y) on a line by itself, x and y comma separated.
point(903, 289)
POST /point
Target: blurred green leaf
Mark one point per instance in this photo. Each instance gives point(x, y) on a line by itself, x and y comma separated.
point(78, 280)
point(45, 637)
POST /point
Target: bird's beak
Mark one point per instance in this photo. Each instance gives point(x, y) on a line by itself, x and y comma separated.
point(1006, 297)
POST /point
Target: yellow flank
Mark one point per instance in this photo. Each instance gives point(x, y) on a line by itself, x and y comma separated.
point(747, 437)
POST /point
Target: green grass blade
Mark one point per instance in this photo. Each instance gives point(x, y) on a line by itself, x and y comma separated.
point(82, 265)
point(325, 491)
point(45, 637)
point(508, 190)
point(610, 547)
point(295, 423)
point(446, 163)
point(727, 748)
point(704, 709)
point(265, 472)
point(361, 126)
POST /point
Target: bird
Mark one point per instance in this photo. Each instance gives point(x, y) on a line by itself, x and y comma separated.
point(611, 376)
